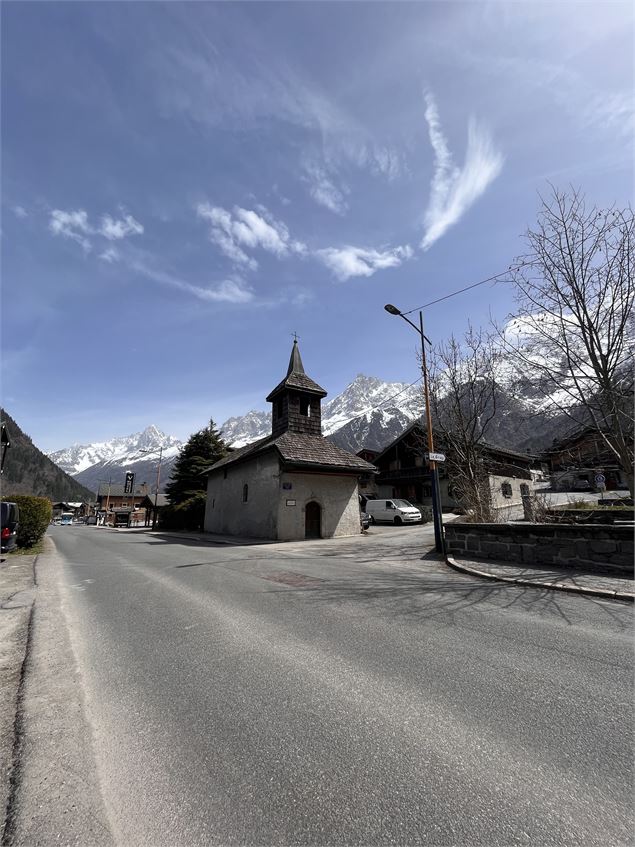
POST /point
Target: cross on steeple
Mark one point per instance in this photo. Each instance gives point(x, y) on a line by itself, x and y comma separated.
point(295, 335)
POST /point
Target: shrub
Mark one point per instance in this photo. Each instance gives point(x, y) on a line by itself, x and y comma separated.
point(35, 516)
point(188, 515)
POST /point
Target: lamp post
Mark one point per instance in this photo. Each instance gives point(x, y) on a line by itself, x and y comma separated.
point(156, 491)
point(434, 472)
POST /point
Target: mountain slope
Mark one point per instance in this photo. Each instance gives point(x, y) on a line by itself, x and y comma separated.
point(29, 471)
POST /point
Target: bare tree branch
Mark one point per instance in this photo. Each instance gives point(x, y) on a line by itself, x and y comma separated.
point(572, 331)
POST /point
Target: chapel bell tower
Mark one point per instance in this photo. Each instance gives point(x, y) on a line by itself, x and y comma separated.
point(296, 401)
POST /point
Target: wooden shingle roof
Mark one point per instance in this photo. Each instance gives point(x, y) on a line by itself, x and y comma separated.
point(298, 450)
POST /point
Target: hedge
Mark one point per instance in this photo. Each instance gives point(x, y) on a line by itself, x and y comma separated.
point(35, 516)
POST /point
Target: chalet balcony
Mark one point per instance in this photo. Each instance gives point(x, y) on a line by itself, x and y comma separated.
point(391, 477)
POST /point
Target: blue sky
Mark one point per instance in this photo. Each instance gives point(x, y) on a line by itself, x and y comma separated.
point(187, 184)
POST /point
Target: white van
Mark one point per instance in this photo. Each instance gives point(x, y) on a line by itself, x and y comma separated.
point(393, 511)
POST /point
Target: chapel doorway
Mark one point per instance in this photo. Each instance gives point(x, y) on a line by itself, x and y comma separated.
point(313, 520)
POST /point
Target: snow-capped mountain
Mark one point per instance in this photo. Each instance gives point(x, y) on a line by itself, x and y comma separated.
point(123, 450)
point(365, 395)
point(91, 464)
point(369, 412)
point(246, 428)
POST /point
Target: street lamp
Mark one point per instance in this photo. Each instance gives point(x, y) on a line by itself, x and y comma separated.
point(156, 493)
point(5, 441)
point(434, 472)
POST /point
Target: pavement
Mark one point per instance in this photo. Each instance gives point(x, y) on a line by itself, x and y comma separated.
point(16, 607)
point(555, 579)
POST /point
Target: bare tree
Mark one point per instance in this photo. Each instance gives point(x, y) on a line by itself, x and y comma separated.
point(464, 404)
point(571, 334)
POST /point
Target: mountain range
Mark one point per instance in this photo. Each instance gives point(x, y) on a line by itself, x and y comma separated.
point(368, 413)
point(101, 461)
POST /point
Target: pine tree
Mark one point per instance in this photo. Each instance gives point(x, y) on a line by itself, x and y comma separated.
point(202, 449)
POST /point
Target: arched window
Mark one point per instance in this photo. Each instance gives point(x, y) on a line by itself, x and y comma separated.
point(506, 489)
point(245, 493)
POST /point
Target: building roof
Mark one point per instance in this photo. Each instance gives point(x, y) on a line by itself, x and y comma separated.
point(296, 378)
point(490, 448)
point(118, 490)
point(298, 450)
point(494, 448)
point(162, 500)
point(573, 437)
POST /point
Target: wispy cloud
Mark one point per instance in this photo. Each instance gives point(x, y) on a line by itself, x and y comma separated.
point(200, 78)
point(240, 230)
point(349, 261)
point(453, 190)
point(110, 255)
point(233, 290)
point(20, 212)
point(114, 230)
point(76, 226)
point(73, 225)
point(324, 190)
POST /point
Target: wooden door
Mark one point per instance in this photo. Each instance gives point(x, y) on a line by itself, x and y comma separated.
point(313, 520)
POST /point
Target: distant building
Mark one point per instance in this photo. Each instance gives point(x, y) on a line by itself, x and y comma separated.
point(77, 508)
point(578, 458)
point(114, 497)
point(404, 473)
point(292, 484)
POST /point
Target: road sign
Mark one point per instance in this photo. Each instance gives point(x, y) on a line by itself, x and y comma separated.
point(436, 457)
point(600, 479)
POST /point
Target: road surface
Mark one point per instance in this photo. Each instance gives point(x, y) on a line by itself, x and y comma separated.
point(338, 692)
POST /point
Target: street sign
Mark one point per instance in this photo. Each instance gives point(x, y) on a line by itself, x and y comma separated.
point(436, 457)
point(600, 479)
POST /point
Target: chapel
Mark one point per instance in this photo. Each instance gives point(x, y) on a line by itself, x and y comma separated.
point(294, 483)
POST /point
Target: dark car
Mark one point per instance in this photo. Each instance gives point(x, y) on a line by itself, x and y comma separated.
point(9, 521)
point(582, 484)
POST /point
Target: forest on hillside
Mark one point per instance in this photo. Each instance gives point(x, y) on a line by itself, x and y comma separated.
point(28, 471)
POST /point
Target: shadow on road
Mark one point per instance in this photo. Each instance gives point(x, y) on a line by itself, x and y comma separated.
point(430, 595)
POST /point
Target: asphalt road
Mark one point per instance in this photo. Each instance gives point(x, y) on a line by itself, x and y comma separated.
point(340, 692)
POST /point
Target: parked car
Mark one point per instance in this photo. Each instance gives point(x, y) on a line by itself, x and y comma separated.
point(392, 511)
point(9, 521)
point(364, 519)
point(582, 484)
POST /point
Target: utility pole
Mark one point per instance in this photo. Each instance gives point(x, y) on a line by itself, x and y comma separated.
point(434, 471)
point(107, 497)
point(437, 514)
point(156, 493)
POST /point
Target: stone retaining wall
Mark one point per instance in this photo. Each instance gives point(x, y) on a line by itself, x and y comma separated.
point(604, 549)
